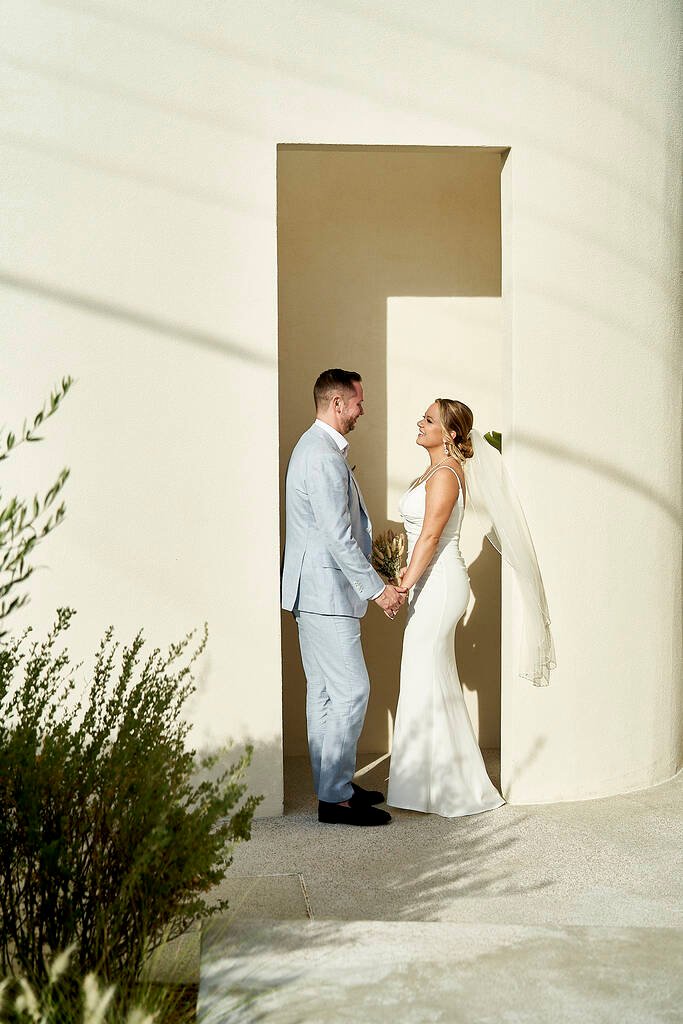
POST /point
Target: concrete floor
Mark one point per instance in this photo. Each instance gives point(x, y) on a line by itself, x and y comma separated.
point(539, 913)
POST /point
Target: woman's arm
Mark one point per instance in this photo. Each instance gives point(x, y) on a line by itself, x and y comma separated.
point(442, 491)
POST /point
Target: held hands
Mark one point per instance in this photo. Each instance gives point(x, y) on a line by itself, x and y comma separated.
point(401, 588)
point(390, 600)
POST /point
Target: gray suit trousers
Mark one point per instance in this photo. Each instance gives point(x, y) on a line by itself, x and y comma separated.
point(337, 691)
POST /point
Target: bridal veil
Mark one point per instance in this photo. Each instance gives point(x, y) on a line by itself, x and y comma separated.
point(492, 493)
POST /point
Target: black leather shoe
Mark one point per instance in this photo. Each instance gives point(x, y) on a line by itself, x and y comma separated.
point(359, 813)
point(369, 796)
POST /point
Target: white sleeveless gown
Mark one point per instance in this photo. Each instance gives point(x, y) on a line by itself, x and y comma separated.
point(436, 764)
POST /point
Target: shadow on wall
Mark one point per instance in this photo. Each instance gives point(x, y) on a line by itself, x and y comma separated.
point(477, 644)
point(588, 460)
point(134, 318)
point(333, 72)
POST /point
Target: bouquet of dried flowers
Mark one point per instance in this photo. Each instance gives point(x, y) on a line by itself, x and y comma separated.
point(387, 555)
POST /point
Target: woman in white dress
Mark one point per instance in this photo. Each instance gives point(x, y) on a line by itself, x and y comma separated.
point(436, 764)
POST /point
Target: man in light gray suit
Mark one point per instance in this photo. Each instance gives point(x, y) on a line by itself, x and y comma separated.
point(327, 581)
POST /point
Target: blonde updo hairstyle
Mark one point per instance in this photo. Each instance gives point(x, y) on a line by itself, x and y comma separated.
point(456, 418)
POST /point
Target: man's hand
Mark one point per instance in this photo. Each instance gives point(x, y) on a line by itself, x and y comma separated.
point(390, 600)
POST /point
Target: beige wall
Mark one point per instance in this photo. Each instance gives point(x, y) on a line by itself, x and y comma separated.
point(138, 252)
point(357, 229)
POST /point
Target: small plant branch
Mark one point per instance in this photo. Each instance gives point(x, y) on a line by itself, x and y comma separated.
point(25, 523)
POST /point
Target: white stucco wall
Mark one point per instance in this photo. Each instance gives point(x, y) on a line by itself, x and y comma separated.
point(138, 253)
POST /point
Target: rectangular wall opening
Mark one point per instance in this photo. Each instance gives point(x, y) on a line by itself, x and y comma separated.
point(389, 263)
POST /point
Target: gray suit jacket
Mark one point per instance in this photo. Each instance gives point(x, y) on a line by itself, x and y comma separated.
point(328, 543)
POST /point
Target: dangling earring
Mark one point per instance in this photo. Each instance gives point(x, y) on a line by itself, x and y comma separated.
point(445, 448)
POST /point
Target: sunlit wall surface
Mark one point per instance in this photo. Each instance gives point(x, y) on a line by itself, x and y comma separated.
point(138, 252)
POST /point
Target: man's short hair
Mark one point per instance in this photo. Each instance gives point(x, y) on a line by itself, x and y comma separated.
point(331, 381)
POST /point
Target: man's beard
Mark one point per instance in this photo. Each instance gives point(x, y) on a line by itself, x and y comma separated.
point(349, 424)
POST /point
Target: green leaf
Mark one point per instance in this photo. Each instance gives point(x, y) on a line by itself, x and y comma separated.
point(495, 439)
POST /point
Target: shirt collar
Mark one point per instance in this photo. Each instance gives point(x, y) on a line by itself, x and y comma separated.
point(339, 439)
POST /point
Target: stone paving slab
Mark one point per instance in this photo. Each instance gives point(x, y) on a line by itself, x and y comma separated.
point(251, 897)
point(352, 972)
point(273, 896)
point(176, 962)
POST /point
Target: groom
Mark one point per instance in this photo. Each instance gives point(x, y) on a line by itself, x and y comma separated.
point(327, 581)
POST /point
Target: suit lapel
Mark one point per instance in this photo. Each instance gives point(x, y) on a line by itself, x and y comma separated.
point(335, 447)
point(358, 492)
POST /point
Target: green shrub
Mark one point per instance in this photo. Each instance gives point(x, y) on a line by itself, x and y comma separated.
point(107, 839)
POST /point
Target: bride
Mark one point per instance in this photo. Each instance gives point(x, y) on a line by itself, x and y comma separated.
point(436, 764)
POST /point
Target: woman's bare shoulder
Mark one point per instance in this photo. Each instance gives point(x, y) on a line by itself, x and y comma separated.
point(445, 481)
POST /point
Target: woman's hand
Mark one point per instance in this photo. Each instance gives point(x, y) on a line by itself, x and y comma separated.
point(401, 574)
